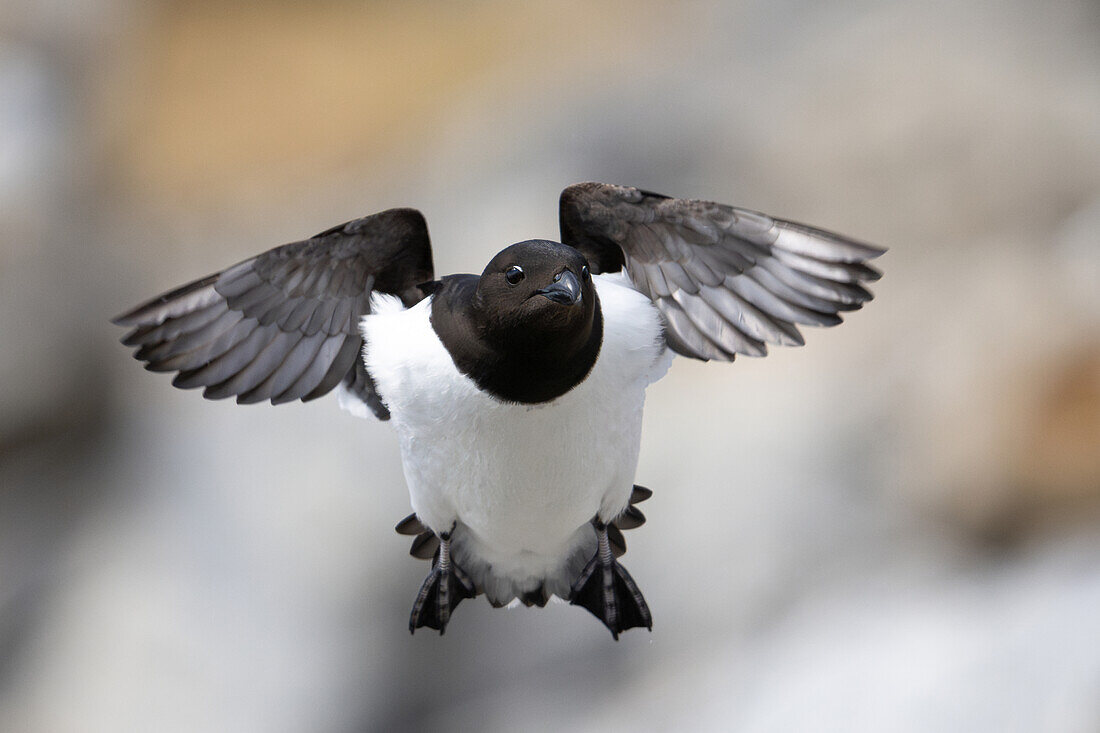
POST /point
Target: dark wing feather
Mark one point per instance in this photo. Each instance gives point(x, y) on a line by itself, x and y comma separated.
point(284, 325)
point(727, 281)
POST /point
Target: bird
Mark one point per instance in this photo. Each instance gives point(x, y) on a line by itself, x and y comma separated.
point(516, 395)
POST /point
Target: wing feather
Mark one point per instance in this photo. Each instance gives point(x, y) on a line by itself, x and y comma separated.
point(341, 364)
point(225, 366)
point(293, 363)
point(314, 372)
point(236, 332)
point(749, 319)
point(772, 304)
point(726, 280)
point(720, 331)
point(283, 325)
point(199, 346)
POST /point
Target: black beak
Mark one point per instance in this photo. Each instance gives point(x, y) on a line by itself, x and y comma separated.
point(566, 289)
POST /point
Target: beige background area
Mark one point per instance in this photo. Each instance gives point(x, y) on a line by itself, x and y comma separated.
point(894, 528)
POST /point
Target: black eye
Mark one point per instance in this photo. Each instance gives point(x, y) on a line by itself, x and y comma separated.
point(584, 272)
point(514, 274)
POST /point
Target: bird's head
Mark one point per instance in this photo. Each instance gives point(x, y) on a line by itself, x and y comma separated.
point(538, 294)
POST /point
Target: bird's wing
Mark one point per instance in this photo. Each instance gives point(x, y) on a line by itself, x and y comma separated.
point(284, 325)
point(726, 280)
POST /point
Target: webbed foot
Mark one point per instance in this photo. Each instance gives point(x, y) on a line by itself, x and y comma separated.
point(606, 589)
point(444, 588)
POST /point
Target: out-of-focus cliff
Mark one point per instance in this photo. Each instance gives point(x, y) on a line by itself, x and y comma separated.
point(896, 527)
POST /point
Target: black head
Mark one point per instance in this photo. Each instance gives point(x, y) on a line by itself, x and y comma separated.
point(536, 291)
point(529, 329)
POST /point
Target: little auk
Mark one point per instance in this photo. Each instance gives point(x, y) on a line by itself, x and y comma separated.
point(516, 394)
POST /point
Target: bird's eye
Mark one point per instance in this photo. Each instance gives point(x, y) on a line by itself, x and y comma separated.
point(584, 272)
point(514, 274)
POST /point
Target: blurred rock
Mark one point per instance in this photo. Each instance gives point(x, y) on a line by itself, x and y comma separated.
point(1061, 460)
point(814, 554)
point(42, 301)
point(1003, 433)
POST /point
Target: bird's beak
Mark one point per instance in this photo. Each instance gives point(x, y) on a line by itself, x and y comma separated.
point(566, 289)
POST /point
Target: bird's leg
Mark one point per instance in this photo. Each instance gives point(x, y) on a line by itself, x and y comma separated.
point(606, 589)
point(443, 589)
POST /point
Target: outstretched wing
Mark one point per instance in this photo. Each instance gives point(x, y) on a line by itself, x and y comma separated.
point(284, 325)
point(727, 280)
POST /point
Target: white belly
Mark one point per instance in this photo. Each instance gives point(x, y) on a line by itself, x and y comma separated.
point(523, 478)
point(520, 482)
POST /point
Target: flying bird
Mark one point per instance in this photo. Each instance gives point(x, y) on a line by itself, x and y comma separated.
point(517, 394)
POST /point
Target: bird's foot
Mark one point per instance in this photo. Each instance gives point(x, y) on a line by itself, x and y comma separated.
point(443, 589)
point(606, 589)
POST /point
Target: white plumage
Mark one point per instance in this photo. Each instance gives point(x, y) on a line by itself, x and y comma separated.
point(520, 483)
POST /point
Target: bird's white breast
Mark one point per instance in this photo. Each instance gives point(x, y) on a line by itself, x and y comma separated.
point(521, 478)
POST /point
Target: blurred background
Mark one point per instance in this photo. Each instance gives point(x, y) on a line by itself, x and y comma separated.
point(895, 528)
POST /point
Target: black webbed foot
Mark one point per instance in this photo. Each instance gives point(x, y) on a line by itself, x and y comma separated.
point(444, 588)
point(606, 589)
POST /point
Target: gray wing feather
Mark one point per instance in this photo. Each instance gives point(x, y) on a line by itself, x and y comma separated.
point(726, 280)
point(225, 366)
point(314, 372)
point(282, 374)
point(284, 325)
point(233, 328)
point(340, 368)
point(246, 379)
